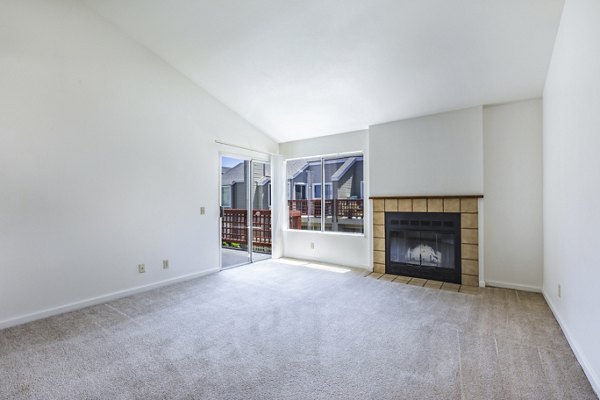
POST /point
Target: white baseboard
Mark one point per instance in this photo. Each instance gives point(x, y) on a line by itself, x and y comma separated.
point(516, 286)
point(585, 364)
point(99, 299)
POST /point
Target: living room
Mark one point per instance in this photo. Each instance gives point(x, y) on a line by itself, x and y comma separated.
point(382, 199)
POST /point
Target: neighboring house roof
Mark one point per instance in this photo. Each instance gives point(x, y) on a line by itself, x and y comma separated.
point(295, 168)
point(236, 175)
point(233, 174)
point(337, 175)
point(263, 181)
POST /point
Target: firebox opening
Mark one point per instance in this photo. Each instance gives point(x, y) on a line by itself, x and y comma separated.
point(424, 245)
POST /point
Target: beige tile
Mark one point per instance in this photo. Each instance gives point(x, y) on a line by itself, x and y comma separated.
point(379, 257)
point(453, 287)
point(419, 205)
point(469, 289)
point(402, 279)
point(469, 251)
point(379, 244)
point(433, 284)
point(379, 268)
point(468, 220)
point(469, 280)
point(379, 218)
point(469, 236)
point(379, 231)
point(387, 277)
point(405, 205)
point(451, 205)
point(468, 205)
point(391, 205)
point(435, 205)
point(417, 281)
point(375, 275)
point(470, 267)
point(378, 205)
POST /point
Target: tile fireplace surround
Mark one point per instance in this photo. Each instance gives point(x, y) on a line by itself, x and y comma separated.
point(467, 206)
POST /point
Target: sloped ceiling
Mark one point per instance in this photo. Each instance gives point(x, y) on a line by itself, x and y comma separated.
point(303, 68)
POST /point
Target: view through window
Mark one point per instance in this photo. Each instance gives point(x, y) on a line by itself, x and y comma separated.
point(326, 193)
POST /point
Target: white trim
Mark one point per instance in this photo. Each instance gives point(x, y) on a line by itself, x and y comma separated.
point(516, 286)
point(100, 299)
point(583, 361)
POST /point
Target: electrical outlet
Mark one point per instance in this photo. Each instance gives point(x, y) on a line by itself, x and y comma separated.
point(141, 268)
point(202, 210)
point(312, 245)
point(165, 264)
point(559, 291)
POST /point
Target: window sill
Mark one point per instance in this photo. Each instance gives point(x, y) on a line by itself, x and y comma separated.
point(357, 235)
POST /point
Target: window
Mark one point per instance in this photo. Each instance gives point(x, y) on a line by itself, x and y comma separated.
point(335, 186)
point(328, 191)
point(226, 196)
point(300, 191)
point(316, 193)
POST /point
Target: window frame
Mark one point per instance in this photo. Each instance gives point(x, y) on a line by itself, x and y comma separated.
point(328, 185)
point(324, 159)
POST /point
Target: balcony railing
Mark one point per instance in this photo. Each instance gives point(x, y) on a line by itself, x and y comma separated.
point(342, 208)
point(234, 227)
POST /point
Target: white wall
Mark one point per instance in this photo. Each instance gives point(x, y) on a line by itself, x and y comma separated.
point(512, 139)
point(343, 249)
point(106, 155)
point(434, 155)
point(572, 181)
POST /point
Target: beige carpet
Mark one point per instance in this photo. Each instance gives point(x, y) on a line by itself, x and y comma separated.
point(279, 331)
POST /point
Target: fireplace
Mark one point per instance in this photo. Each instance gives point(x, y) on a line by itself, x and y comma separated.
point(423, 245)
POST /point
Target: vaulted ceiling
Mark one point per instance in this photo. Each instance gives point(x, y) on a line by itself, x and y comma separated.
point(304, 68)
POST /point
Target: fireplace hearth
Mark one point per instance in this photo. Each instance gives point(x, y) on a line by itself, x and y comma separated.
point(424, 245)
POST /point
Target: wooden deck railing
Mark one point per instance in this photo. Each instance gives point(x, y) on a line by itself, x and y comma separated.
point(234, 227)
point(344, 208)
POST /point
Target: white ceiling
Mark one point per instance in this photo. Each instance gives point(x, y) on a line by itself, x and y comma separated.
point(304, 68)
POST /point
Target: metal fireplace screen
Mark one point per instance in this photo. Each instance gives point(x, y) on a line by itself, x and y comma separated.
point(425, 245)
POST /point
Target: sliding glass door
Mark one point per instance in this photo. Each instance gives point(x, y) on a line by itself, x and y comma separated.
point(245, 211)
